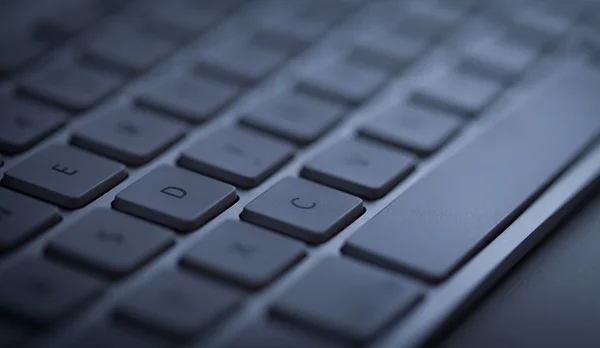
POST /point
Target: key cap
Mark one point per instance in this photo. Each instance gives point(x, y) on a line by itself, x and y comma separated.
point(191, 17)
point(347, 299)
point(110, 242)
point(107, 335)
point(238, 156)
point(244, 254)
point(23, 124)
point(242, 63)
point(294, 117)
point(193, 99)
point(359, 167)
point(390, 51)
point(17, 52)
point(43, 292)
point(64, 176)
point(176, 198)
point(178, 304)
point(344, 82)
point(458, 93)
point(303, 209)
point(446, 217)
point(21, 218)
point(417, 129)
point(271, 335)
point(425, 26)
point(131, 136)
point(67, 84)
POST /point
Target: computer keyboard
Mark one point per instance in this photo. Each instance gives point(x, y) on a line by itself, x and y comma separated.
point(274, 173)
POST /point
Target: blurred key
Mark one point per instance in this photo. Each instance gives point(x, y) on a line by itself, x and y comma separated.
point(110, 335)
point(130, 136)
point(177, 198)
point(178, 304)
point(278, 335)
point(24, 123)
point(110, 242)
point(238, 156)
point(64, 176)
point(22, 217)
point(191, 98)
point(391, 52)
point(18, 51)
point(43, 292)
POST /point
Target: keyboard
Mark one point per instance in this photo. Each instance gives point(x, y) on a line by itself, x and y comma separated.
point(269, 173)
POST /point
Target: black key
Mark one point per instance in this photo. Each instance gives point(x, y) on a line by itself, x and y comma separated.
point(241, 63)
point(271, 335)
point(237, 156)
point(244, 254)
point(347, 299)
point(176, 198)
point(458, 93)
point(110, 242)
point(390, 51)
point(359, 167)
point(44, 292)
point(107, 335)
point(193, 99)
point(65, 176)
point(420, 130)
point(22, 218)
point(178, 304)
point(130, 136)
point(295, 117)
point(67, 84)
point(446, 217)
point(23, 124)
point(303, 209)
point(344, 81)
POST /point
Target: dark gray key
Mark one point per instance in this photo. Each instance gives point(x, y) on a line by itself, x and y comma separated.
point(303, 209)
point(348, 299)
point(417, 129)
point(238, 156)
point(65, 176)
point(193, 99)
point(43, 292)
point(360, 167)
point(108, 335)
point(242, 63)
point(110, 242)
point(22, 218)
point(426, 26)
point(244, 254)
point(298, 118)
point(446, 217)
point(23, 124)
point(390, 51)
point(178, 304)
point(19, 51)
point(176, 198)
point(130, 136)
point(271, 335)
point(65, 83)
point(189, 16)
point(459, 93)
point(344, 81)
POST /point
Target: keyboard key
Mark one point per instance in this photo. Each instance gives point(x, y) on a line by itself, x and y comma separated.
point(420, 130)
point(192, 17)
point(348, 299)
point(359, 167)
point(65, 176)
point(390, 52)
point(237, 156)
point(110, 242)
point(298, 118)
point(451, 213)
point(131, 136)
point(69, 85)
point(193, 99)
point(44, 292)
point(458, 93)
point(23, 124)
point(344, 81)
point(178, 304)
point(244, 254)
point(176, 198)
point(271, 335)
point(425, 26)
point(242, 63)
point(303, 209)
point(22, 218)
point(109, 335)
point(18, 52)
